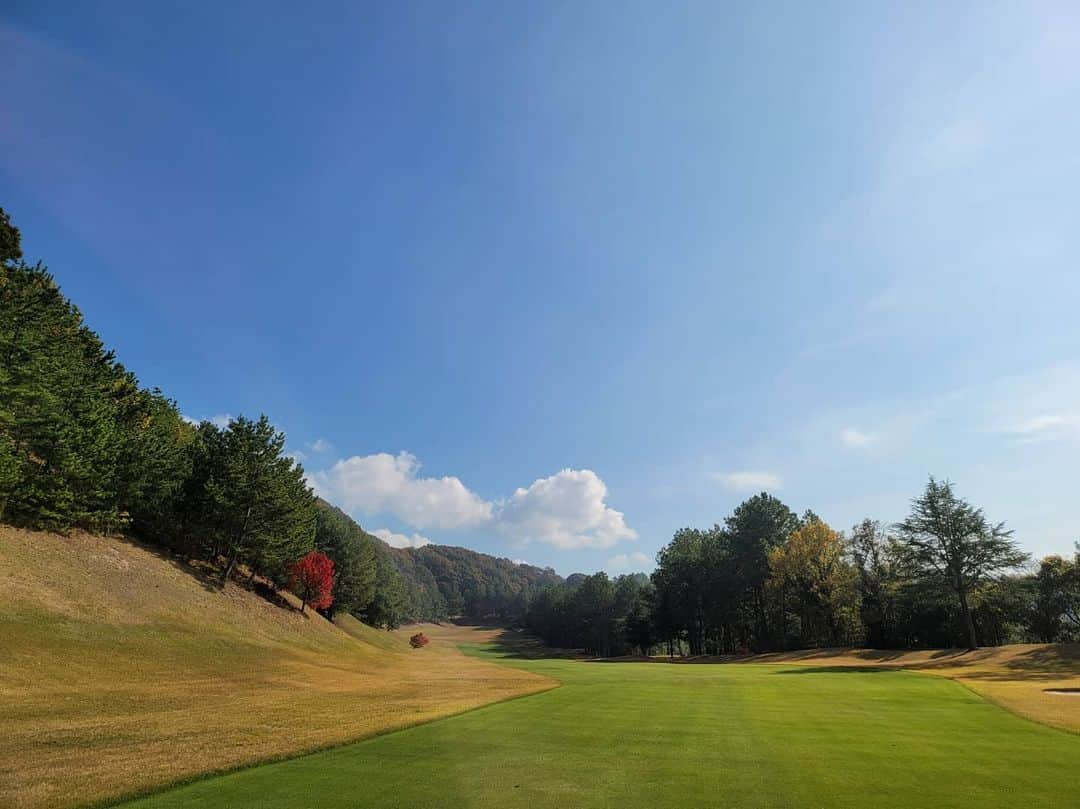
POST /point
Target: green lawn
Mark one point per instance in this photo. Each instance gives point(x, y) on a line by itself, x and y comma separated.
point(652, 735)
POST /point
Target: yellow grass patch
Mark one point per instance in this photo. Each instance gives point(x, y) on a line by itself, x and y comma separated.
point(121, 670)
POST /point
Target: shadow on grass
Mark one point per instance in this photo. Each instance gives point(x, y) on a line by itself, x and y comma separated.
point(208, 575)
point(516, 644)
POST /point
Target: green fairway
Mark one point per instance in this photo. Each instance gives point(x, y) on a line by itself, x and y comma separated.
point(652, 735)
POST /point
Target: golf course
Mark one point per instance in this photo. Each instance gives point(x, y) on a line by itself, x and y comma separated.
point(649, 734)
point(545, 405)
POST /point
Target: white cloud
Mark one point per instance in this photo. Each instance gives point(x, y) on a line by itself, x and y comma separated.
point(566, 510)
point(401, 540)
point(320, 445)
point(1045, 425)
point(624, 562)
point(388, 484)
point(1037, 407)
point(751, 481)
point(221, 420)
point(856, 439)
point(519, 562)
point(296, 455)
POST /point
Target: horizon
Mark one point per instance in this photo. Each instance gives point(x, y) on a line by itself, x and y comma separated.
point(551, 284)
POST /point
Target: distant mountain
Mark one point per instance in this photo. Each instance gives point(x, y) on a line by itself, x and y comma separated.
point(436, 582)
point(445, 581)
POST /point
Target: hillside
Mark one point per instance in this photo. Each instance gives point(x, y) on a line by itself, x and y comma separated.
point(431, 583)
point(125, 669)
point(444, 580)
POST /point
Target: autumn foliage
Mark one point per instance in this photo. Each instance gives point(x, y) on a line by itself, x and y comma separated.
point(419, 640)
point(312, 578)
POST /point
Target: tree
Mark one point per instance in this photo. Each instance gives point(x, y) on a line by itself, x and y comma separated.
point(681, 580)
point(388, 607)
point(80, 442)
point(1057, 599)
point(758, 525)
point(258, 503)
point(874, 556)
point(312, 578)
point(638, 628)
point(10, 239)
point(810, 569)
point(947, 539)
point(595, 607)
point(353, 554)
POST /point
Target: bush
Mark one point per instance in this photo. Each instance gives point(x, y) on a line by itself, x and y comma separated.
point(419, 640)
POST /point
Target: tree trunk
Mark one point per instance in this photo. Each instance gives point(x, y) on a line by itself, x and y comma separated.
point(236, 547)
point(969, 622)
point(229, 568)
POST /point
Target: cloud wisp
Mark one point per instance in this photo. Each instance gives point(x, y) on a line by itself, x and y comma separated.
point(221, 420)
point(854, 438)
point(401, 540)
point(628, 562)
point(746, 481)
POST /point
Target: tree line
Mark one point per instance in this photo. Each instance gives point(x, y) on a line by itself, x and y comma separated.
point(83, 445)
point(768, 579)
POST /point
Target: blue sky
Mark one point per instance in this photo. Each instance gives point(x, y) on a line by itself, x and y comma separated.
point(553, 280)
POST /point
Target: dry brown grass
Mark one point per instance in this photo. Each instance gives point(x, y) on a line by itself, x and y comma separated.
point(1020, 678)
point(122, 670)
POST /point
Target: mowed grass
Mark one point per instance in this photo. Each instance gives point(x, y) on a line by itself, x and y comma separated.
point(122, 671)
point(652, 735)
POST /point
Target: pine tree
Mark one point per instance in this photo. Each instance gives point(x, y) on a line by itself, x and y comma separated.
point(262, 509)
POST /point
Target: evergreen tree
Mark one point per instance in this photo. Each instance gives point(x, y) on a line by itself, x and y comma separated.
point(388, 607)
point(353, 553)
point(946, 539)
point(10, 240)
point(263, 510)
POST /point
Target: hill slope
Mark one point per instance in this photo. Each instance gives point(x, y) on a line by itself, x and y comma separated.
point(446, 580)
point(125, 669)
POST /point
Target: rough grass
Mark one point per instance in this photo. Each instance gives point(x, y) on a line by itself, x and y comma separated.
point(637, 734)
point(122, 670)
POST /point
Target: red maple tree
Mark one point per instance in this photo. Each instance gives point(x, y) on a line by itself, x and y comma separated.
point(312, 578)
point(419, 640)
